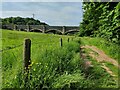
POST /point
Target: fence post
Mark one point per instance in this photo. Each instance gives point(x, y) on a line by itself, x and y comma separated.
point(61, 43)
point(79, 41)
point(26, 58)
point(27, 53)
point(68, 39)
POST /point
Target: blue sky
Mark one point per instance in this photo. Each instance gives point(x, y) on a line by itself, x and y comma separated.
point(53, 13)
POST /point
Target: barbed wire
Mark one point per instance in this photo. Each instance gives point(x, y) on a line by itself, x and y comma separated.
point(11, 48)
point(49, 43)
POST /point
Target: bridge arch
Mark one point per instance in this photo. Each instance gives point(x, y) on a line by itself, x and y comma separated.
point(55, 31)
point(71, 31)
point(35, 30)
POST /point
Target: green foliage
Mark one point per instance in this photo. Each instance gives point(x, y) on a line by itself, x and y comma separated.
point(101, 20)
point(21, 21)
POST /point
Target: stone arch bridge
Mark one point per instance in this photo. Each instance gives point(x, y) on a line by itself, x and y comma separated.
point(43, 28)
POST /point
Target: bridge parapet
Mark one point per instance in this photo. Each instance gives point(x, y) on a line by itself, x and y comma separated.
point(36, 26)
point(54, 27)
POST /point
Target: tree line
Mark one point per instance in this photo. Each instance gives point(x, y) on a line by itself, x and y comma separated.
point(101, 19)
point(21, 21)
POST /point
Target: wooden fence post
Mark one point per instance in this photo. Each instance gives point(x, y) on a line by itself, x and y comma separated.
point(27, 53)
point(68, 39)
point(61, 43)
point(79, 41)
point(27, 59)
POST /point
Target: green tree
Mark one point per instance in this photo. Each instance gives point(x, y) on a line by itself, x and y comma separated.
point(101, 19)
point(21, 21)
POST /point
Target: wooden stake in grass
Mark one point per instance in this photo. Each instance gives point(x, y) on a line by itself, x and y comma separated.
point(27, 59)
point(27, 53)
point(68, 39)
point(79, 41)
point(61, 43)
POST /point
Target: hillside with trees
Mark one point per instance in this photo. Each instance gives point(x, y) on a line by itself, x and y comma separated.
point(101, 19)
point(21, 21)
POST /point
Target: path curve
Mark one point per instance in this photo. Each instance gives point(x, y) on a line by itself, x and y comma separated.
point(100, 56)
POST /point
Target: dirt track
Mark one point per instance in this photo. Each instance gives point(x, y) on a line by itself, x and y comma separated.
point(100, 56)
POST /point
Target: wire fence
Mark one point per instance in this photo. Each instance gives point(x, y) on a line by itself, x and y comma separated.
point(33, 43)
point(23, 57)
point(16, 46)
point(38, 43)
point(9, 48)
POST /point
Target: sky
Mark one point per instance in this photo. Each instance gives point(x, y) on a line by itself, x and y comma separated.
point(53, 13)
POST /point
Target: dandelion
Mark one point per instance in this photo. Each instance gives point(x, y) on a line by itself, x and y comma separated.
point(34, 69)
point(15, 77)
point(31, 64)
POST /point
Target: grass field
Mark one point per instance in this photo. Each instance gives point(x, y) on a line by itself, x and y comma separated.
point(51, 66)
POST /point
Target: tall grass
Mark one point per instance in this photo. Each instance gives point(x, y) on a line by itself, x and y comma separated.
point(51, 66)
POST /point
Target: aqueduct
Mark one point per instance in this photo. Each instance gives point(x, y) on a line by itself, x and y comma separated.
point(43, 28)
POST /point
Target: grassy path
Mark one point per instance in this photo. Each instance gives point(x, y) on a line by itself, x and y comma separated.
point(101, 57)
